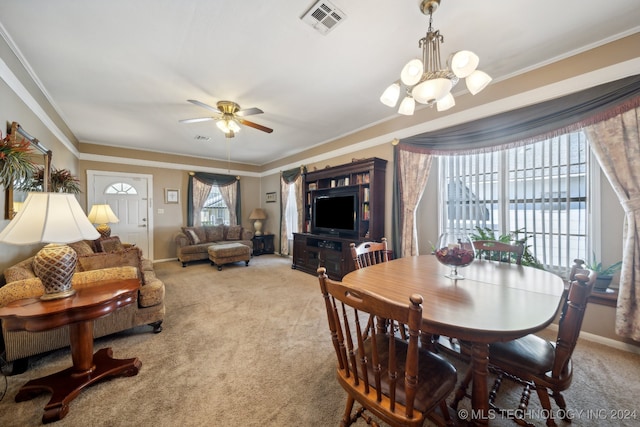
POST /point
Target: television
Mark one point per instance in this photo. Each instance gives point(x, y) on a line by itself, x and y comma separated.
point(335, 212)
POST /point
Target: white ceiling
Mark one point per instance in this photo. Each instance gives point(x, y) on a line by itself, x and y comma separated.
point(120, 72)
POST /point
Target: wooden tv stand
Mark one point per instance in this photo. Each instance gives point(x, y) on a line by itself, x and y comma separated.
point(311, 251)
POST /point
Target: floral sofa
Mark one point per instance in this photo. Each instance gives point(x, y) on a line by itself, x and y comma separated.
point(111, 261)
point(192, 243)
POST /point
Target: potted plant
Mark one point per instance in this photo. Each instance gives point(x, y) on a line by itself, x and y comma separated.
point(605, 274)
point(512, 238)
point(16, 164)
point(61, 181)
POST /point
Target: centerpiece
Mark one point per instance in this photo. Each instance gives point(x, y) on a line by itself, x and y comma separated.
point(455, 250)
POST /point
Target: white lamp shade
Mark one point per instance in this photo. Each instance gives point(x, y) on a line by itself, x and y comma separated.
point(431, 90)
point(477, 81)
point(227, 126)
point(463, 63)
point(49, 218)
point(445, 103)
point(412, 72)
point(102, 214)
point(407, 106)
point(390, 95)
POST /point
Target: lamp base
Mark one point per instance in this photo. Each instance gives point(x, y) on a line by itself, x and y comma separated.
point(258, 227)
point(55, 266)
point(104, 230)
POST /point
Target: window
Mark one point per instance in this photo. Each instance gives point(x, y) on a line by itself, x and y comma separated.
point(120, 188)
point(538, 190)
point(215, 210)
point(291, 212)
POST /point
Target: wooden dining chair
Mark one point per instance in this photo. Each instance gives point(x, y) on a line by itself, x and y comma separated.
point(395, 380)
point(499, 251)
point(536, 363)
point(369, 253)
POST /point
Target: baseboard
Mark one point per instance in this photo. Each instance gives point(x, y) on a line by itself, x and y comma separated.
point(609, 342)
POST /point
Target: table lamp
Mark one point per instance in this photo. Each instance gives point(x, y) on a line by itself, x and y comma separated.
point(102, 215)
point(57, 219)
point(258, 214)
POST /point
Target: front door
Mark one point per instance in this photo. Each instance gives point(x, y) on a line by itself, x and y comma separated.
point(128, 196)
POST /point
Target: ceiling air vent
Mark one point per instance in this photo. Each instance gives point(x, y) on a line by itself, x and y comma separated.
point(323, 16)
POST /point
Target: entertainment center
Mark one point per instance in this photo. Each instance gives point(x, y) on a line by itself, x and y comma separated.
point(343, 204)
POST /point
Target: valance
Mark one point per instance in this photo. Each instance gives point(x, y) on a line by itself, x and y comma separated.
point(532, 123)
point(291, 175)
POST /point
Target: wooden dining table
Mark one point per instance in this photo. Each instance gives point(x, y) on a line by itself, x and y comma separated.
point(496, 301)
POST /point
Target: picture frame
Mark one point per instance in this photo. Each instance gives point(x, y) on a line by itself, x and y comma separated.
point(171, 195)
point(271, 197)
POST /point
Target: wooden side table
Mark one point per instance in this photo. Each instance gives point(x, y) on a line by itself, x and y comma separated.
point(263, 244)
point(78, 311)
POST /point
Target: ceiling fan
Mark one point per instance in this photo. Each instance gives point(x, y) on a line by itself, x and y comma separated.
point(228, 117)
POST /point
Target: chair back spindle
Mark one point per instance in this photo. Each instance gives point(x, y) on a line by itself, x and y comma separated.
point(369, 253)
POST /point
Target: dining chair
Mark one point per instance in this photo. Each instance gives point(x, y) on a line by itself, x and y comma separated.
point(369, 253)
point(536, 363)
point(499, 251)
point(393, 379)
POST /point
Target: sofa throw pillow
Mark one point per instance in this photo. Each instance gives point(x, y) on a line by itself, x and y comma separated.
point(191, 235)
point(82, 248)
point(215, 233)
point(127, 257)
point(109, 244)
point(234, 232)
point(198, 232)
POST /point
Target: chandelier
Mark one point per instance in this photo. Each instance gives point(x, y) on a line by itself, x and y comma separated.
point(425, 81)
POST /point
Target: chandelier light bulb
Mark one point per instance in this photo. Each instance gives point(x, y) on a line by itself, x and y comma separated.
point(477, 81)
point(431, 90)
point(407, 106)
point(391, 95)
point(463, 63)
point(412, 72)
point(445, 103)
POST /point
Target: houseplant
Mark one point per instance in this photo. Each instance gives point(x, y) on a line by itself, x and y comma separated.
point(485, 233)
point(16, 165)
point(60, 181)
point(605, 274)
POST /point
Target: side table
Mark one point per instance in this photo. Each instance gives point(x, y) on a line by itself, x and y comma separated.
point(263, 244)
point(78, 311)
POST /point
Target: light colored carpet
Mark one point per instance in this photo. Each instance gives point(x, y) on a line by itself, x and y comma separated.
point(249, 346)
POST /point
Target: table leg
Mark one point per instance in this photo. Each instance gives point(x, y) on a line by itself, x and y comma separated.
point(87, 369)
point(479, 390)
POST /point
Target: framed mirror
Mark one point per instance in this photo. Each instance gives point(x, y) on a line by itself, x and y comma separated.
point(41, 157)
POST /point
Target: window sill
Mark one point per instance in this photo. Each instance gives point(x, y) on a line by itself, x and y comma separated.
point(609, 299)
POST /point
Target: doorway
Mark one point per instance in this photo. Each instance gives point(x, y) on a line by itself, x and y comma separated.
point(130, 198)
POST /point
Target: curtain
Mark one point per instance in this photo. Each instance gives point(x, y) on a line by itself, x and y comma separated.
point(528, 124)
point(616, 144)
point(413, 172)
point(230, 196)
point(211, 179)
point(288, 178)
point(200, 193)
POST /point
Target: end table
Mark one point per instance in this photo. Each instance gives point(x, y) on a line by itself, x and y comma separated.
point(263, 244)
point(78, 311)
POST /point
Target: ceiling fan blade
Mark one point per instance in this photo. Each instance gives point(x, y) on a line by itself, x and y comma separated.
point(255, 125)
point(201, 119)
point(248, 112)
point(203, 105)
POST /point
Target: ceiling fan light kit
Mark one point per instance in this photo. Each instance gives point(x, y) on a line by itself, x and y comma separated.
point(425, 81)
point(228, 117)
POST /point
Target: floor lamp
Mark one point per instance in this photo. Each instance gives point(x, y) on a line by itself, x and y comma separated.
point(57, 219)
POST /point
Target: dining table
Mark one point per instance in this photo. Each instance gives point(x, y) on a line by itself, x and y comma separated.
point(496, 301)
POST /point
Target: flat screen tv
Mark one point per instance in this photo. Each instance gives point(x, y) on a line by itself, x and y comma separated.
point(335, 212)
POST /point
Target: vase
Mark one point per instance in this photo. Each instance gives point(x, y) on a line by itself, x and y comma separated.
point(455, 250)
